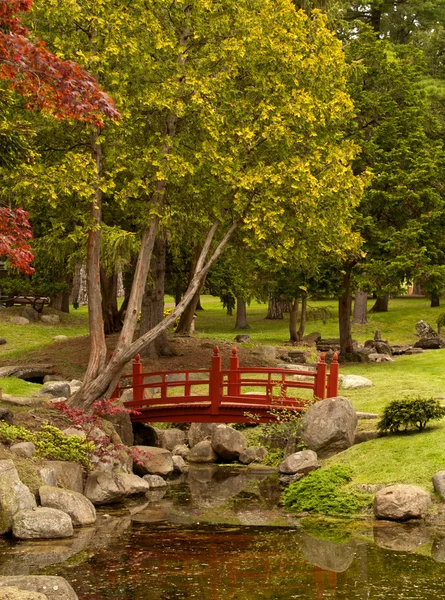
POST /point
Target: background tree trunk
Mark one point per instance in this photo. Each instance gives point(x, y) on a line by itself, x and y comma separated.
point(435, 300)
point(199, 306)
point(344, 315)
point(110, 311)
point(360, 308)
point(381, 304)
point(241, 314)
point(185, 325)
point(61, 302)
point(300, 332)
point(275, 308)
point(152, 311)
point(293, 317)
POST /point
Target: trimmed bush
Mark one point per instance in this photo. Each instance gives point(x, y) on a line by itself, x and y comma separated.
point(410, 412)
point(324, 492)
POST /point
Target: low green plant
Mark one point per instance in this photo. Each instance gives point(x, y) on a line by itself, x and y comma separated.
point(440, 321)
point(409, 412)
point(324, 491)
point(13, 433)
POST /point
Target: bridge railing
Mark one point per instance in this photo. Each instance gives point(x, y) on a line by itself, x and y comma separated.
point(227, 386)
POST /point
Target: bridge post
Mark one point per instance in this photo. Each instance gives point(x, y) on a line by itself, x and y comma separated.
point(234, 387)
point(215, 381)
point(138, 380)
point(320, 380)
point(333, 378)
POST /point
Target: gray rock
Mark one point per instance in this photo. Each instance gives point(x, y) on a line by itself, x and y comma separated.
point(242, 338)
point(253, 454)
point(23, 449)
point(50, 319)
point(315, 337)
point(155, 481)
point(401, 538)
point(103, 488)
point(54, 588)
point(77, 506)
point(14, 495)
point(267, 353)
point(19, 321)
point(366, 415)
point(131, 484)
point(122, 423)
point(329, 426)
point(379, 358)
point(69, 474)
point(47, 476)
point(353, 382)
point(7, 416)
point(300, 462)
point(57, 389)
point(203, 452)
point(182, 451)
point(179, 464)
point(199, 432)
point(154, 461)
point(170, 438)
point(228, 443)
point(439, 483)
point(60, 338)
point(13, 593)
point(401, 502)
point(288, 479)
point(74, 432)
point(29, 313)
point(398, 350)
point(423, 329)
point(429, 343)
point(438, 550)
point(414, 351)
point(41, 523)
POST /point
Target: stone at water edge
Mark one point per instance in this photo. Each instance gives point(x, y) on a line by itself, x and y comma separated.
point(77, 506)
point(199, 432)
point(155, 481)
point(14, 495)
point(203, 452)
point(154, 461)
point(54, 588)
point(228, 443)
point(253, 454)
point(401, 502)
point(170, 438)
point(131, 484)
point(179, 464)
point(41, 523)
point(183, 451)
point(328, 426)
point(300, 462)
point(13, 593)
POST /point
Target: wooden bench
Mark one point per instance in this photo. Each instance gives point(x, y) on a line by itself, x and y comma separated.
point(37, 302)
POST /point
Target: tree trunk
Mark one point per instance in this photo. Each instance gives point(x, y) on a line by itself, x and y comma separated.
point(360, 308)
point(199, 306)
point(381, 304)
point(300, 332)
point(110, 311)
point(186, 322)
point(61, 302)
point(241, 314)
point(435, 300)
point(344, 315)
point(75, 290)
point(275, 308)
point(153, 303)
point(376, 18)
point(293, 318)
point(178, 294)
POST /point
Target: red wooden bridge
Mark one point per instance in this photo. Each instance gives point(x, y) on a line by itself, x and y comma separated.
point(220, 395)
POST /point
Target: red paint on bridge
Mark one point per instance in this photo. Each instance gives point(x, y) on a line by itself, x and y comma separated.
point(171, 395)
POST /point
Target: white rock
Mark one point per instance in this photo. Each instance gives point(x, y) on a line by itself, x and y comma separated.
point(354, 382)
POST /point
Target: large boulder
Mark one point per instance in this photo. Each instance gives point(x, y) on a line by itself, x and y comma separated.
point(42, 523)
point(103, 488)
point(353, 382)
point(132, 485)
point(54, 588)
point(252, 454)
point(199, 432)
point(170, 438)
point(300, 462)
point(155, 461)
point(401, 502)
point(69, 474)
point(77, 506)
point(329, 426)
point(228, 443)
point(30, 313)
point(439, 483)
point(14, 495)
point(203, 452)
point(57, 389)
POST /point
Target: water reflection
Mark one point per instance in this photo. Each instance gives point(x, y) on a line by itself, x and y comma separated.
point(214, 539)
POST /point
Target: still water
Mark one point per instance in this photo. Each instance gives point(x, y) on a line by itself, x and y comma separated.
point(221, 535)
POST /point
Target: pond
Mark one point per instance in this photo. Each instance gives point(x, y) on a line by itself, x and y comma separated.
point(221, 535)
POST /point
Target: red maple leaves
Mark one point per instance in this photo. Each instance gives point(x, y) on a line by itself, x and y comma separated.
point(15, 233)
point(44, 80)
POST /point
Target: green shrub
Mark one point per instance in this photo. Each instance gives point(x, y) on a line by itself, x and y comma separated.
point(440, 321)
point(410, 412)
point(324, 492)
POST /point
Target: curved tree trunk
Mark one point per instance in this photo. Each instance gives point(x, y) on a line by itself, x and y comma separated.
point(435, 300)
point(241, 314)
point(360, 308)
point(293, 318)
point(344, 315)
point(110, 311)
point(152, 311)
point(300, 332)
point(381, 304)
point(275, 308)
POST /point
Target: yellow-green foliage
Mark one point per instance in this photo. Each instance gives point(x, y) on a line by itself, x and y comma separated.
point(50, 443)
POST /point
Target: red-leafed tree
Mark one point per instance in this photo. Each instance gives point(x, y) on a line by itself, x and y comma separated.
point(15, 233)
point(46, 83)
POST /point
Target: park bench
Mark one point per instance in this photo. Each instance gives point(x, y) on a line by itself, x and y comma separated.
point(37, 302)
